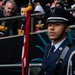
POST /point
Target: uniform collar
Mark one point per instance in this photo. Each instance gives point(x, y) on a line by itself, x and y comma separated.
point(58, 44)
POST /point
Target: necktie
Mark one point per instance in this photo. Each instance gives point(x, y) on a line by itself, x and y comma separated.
point(51, 50)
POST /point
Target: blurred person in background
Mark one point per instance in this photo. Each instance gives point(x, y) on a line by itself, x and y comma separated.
point(39, 19)
point(73, 11)
point(71, 32)
point(9, 8)
point(44, 3)
point(39, 2)
point(55, 1)
point(8, 26)
point(65, 3)
point(1, 4)
point(19, 3)
point(22, 10)
point(21, 23)
point(59, 5)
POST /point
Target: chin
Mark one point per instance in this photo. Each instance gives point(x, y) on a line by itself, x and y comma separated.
point(53, 38)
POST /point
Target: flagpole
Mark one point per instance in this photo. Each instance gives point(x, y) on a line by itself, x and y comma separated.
point(25, 58)
point(28, 25)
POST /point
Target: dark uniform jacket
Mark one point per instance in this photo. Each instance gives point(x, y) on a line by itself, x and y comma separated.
point(49, 65)
point(21, 26)
point(39, 23)
point(7, 25)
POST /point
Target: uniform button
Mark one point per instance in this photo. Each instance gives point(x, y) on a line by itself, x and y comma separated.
point(44, 72)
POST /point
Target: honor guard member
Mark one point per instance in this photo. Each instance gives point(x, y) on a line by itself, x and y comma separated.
point(9, 25)
point(55, 60)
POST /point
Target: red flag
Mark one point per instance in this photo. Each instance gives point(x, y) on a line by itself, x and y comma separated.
point(25, 52)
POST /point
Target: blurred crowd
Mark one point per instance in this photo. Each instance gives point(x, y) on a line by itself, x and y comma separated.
point(9, 8)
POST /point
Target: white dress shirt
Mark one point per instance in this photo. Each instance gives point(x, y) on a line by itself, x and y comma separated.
point(57, 45)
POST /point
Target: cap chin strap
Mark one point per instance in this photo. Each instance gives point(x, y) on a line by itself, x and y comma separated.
point(61, 34)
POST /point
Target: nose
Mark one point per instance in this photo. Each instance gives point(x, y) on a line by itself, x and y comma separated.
point(23, 14)
point(11, 10)
point(52, 26)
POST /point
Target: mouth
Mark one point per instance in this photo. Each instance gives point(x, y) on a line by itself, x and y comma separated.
point(51, 33)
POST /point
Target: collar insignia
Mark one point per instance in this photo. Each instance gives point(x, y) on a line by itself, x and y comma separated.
point(60, 48)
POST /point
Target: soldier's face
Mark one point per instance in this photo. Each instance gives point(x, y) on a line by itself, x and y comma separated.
point(56, 29)
point(9, 9)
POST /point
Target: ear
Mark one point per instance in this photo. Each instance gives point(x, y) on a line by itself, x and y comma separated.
point(67, 28)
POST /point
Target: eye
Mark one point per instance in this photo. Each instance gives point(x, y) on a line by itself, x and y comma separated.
point(49, 24)
point(21, 11)
point(11, 8)
point(57, 24)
